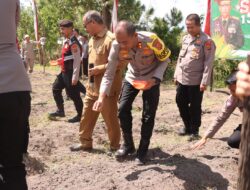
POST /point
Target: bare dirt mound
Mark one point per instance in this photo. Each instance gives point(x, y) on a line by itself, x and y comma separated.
point(172, 165)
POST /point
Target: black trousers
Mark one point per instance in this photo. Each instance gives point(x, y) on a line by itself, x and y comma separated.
point(64, 80)
point(150, 103)
point(189, 99)
point(234, 140)
point(14, 114)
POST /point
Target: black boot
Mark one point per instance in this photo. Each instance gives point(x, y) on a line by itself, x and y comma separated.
point(186, 130)
point(75, 119)
point(142, 152)
point(127, 147)
point(59, 112)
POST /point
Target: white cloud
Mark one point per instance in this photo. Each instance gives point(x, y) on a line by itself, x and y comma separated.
point(162, 7)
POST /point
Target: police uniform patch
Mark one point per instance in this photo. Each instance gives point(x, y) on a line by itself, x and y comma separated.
point(74, 48)
point(157, 44)
point(147, 51)
point(208, 45)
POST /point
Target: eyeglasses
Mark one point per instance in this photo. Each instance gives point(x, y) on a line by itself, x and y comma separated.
point(85, 25)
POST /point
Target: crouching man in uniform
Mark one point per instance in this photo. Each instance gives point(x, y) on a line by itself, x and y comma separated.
point(148, 58)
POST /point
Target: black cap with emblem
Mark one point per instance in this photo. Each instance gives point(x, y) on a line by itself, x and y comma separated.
point(65, 23)
point(231, 79)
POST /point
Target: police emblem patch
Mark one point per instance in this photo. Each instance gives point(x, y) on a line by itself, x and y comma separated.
point(208, 45)
point(157, 44)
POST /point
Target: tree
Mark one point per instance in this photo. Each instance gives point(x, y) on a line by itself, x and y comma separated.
point(26, 25)
point(51, 11)
point(169, 31)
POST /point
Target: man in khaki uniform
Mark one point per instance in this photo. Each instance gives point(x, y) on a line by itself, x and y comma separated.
point(28, 53)
point(99, 47)
point(193, 74)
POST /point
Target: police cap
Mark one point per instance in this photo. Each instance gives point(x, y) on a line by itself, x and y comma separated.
point(65, 23)
point(231, 79)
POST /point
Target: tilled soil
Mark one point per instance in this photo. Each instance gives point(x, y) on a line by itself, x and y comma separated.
point(172, 164)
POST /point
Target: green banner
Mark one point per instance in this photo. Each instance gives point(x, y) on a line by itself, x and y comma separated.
point(230, 28)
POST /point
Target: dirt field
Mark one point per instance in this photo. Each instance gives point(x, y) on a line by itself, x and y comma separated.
point(172, 165)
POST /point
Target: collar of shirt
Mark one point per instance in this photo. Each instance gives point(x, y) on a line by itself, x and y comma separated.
point(193, 38)
point(101, 34)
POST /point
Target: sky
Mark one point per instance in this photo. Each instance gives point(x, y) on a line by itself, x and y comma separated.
point(162, 7)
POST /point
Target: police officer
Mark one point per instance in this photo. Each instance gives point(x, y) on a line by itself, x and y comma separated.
point(69, 76)
point(230, 105)
point(148, 58)
point(99, 48)
point(228, 26)
point(28, 54)
point(193, 74)
point(15, 100)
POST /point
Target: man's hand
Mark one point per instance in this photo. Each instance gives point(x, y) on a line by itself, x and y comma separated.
point(98, 105)
point(96, 70)
point(243, 80)
point(74, 82)
point(199, 144)
point(175, 81)
point(203, 87)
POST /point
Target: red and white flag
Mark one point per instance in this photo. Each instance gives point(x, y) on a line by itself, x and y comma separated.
point(207, 21)
point(114, 20)
point(35, 19)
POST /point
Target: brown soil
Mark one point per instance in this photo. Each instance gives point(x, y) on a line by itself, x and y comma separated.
point(172, 165)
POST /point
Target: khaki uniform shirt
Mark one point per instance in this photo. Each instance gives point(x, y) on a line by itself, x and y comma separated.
point(195, 62)
point(149, 59)
point(28, 49)
point(230, 105)
point(99, 49)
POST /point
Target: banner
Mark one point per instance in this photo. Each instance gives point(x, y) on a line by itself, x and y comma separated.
point(230, 28)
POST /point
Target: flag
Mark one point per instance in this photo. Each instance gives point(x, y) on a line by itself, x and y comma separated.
point(114, 20)
point(207, 27)
point(35, 19)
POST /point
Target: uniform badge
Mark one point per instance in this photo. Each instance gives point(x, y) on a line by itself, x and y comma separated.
point(139, 45)
point(157, 44)
point(208, 45)
point(195, 54)
point(74, 48)
point(198, 42)
point(147, 51)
